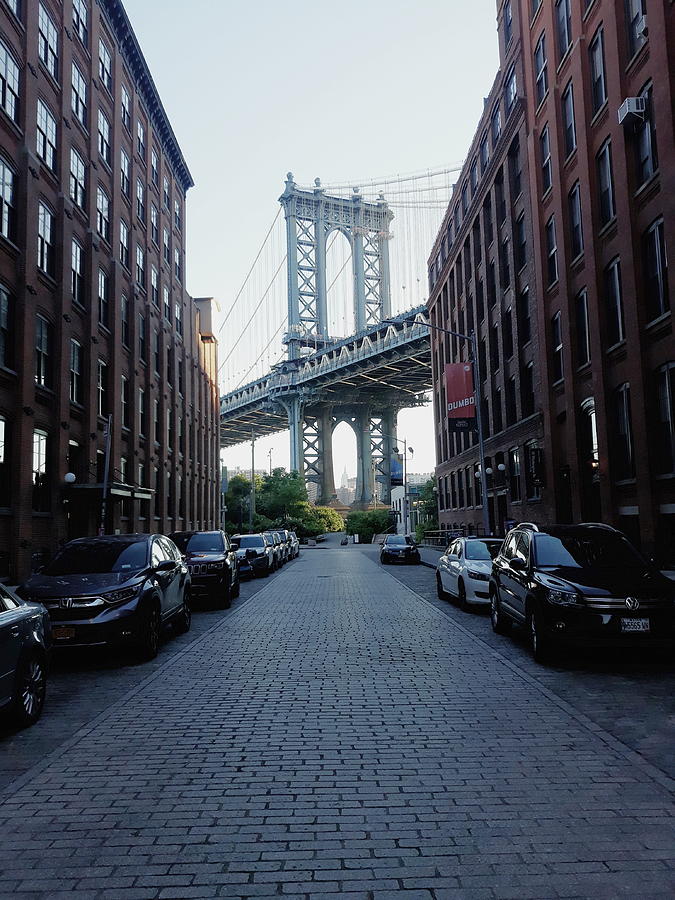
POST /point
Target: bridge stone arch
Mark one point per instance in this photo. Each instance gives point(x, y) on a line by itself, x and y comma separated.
point(311, 215)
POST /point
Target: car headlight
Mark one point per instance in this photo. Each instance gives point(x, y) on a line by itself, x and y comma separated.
point(562, 598)
point(477, 576)
point(121, 596)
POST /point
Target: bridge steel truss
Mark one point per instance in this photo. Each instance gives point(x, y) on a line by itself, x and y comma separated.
point(362, 380)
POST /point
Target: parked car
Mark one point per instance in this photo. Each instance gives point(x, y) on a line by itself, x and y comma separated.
point(114, 589)
point(279, 551)
point(255, 553)
point(464, 570)
point(399, 548)
point(285, 535)
point(580, 585)
point(295, 544)
point(25, 643)
point(212, 563)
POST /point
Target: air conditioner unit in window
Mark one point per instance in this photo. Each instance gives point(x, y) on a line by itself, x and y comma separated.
point(641, 27)
point(632, 108)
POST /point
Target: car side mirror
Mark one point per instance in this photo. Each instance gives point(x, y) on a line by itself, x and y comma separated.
point(234, 545)
point(518, 564)
point(166, 565)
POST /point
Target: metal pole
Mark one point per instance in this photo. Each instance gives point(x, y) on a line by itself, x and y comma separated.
point(269, 453)
point(475, 365)
point(405, 486)
point(106, 474)
point(251, 509)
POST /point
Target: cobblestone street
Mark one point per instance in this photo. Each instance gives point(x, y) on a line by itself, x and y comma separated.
point(337, 733)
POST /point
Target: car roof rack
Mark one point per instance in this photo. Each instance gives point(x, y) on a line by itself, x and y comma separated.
point(599, 525)
point(530, 526)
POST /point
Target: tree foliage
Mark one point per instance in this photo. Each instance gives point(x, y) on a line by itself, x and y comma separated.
point(367, 523)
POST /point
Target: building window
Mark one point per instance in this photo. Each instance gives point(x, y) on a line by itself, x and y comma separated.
point(178, 311)
point(508, 23)
point(645, 140)
point(104, 65)
point(75, 371)
point(533, 471)
point(80, 20)
point(46, 135)
point(635, 10)
point(102, 388)
point(124, 401)
point(142, 342)
point(103, 298)
point(603, 163)
point(46, 256)
point(41, 486)
point(563, 22)
point(576, 229)
point(157, 431)
point(78, 179)
point(124, 244)
point(624, 461)
point(79, 95)
point(9, 83)
point(43, 352)
point(140, 200)
point(484, 153)
point(473, 177)
point(524, 323)
point(126, 335)
point(104, 148)
point(140, 265)
point(655, 270)
point(521, 242)
point(504, 266)
point(48, 43)
point(140, 139)
point(613, 304)
point(77, 272)
point(510, 91)
point(527, 389)
point(583, 343)
point(496, 125)
point(157, 352)
point(177, 216)
point(169, 366)
point(5, 472)
point(167, 245)
point(142, 421)
point(514, 474)
point(551, 253)
point(598, 80)
point(154, 286)
point(167, 196)
point(665, 448)
point(177, 264)
point(125, 170)
point(541, 69)
point(569, 128)
point(557, 348)
point(154, 167)
point(6, 329)
point(167, 303)
point(126, 108)
point(154, 224)
point(545, 152)
point(102, 213)
point(7, 210)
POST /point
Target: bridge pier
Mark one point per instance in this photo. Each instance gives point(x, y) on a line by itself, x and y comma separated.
point(364, 460)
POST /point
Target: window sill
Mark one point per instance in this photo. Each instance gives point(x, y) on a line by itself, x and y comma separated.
point(665, 476)
point(571, 157)
point(40, 515)
point(7, 244)
point(578, 261)
point(48, 280)
point(589, 9)
point(600, 113)
point(623, 482)
point(617, 350)
point(565, 58)
point(661, 320)
point(584, 368)
point(541, 103)
point(637, 56)
point(651, 184)
point(546, 196)
point(553, 286)
point(608, 228)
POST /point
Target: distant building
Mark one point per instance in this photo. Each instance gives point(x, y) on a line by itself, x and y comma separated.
point(94, 316)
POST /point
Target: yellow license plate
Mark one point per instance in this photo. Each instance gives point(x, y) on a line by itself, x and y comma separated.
point(61, 633)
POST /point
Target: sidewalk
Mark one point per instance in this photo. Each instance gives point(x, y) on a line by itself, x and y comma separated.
point(339, 736)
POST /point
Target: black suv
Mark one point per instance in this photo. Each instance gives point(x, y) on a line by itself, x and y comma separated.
point(399, 548)
point(579, 584)
point(25, 642)
point(113, 589)
point(212, 563)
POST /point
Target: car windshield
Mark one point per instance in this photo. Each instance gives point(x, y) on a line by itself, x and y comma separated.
point(607, 550)
point(203, 542)
point(399, 540)
point(98, 557)
point(250, 540)
point(486, 550)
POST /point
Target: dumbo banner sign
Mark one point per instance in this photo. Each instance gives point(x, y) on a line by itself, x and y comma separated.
point(460, 397)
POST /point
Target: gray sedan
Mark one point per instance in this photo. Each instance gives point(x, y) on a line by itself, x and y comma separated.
point(25, 642)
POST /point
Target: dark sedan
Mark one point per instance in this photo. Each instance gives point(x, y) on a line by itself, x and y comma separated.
point(399, 548)
point(213, 565)
point(25, 641)
point(114, 589)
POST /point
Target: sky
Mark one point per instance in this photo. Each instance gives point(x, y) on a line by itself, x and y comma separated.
point(360, 88)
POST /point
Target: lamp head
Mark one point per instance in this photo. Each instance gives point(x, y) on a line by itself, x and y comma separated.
point(70, 478)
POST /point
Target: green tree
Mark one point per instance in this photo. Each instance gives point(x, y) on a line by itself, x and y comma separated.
point(428, 509)
point(367, 523)
point(281, 495)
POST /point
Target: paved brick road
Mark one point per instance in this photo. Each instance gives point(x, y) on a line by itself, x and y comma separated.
point(339, 735)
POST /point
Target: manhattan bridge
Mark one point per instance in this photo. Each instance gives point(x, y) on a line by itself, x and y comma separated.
point(330, 324)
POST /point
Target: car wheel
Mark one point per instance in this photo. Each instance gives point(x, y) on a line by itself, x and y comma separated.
point(461, 596)
point(542, 645)
point(224, 600)
point(267, 570)
point(149, 632)
point(30, 690)
point(440, 590)
point(500, 623)
point(183, 620)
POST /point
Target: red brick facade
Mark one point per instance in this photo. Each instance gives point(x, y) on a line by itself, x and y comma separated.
point(92, 328)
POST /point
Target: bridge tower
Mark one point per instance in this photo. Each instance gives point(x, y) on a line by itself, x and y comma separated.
point(311, 216)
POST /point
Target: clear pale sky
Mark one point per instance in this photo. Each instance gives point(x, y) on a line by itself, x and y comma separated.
point(340, 90)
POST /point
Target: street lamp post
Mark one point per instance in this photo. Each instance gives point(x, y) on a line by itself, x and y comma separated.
point(475, 366)
point(406, 448)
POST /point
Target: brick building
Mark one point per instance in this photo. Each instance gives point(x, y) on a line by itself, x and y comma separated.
point(94, 317)
point(601, 177)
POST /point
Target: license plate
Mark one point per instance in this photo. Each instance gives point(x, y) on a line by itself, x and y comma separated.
point(61, 633)
point(635, 625)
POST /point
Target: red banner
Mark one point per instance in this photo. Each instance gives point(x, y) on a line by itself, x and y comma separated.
point(460, 397)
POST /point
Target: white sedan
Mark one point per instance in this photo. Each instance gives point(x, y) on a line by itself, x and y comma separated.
point(464, 570)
